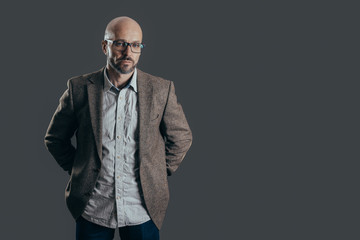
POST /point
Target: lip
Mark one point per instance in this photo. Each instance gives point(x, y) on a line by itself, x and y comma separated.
point(126, 61)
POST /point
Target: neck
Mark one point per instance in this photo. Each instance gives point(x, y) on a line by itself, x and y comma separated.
point(118, 79)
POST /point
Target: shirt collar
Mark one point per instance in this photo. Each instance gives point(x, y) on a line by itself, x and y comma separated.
point(133, 82)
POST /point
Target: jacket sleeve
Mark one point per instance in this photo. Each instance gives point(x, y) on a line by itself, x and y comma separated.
point(176, 132)
point(60, 131)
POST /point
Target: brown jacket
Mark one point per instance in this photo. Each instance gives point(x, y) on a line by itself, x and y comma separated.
point(164, 139)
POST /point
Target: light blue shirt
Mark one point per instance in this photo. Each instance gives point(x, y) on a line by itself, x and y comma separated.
point(117, 198)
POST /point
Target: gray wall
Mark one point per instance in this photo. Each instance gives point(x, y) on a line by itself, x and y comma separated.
point(270, 90)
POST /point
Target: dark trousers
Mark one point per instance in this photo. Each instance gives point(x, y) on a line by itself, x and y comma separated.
point(86, 230)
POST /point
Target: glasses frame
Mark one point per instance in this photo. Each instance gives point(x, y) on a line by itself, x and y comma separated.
point(142, 45)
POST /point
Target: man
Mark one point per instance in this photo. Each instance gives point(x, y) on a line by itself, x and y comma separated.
point(130, 135)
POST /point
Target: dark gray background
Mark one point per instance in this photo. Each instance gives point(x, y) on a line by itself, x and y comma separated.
point(270, 90)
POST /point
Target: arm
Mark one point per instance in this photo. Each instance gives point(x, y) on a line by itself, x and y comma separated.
point(176, 132)
point(62, 127)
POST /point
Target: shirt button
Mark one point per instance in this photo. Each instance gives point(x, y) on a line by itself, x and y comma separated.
point(118, 137)
point(118, 157)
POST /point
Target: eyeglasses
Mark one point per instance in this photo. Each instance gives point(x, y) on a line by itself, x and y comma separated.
point(121, 45)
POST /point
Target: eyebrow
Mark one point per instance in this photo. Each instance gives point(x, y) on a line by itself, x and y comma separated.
point(120, 39)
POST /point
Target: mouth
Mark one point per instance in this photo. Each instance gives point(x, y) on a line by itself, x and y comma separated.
point(126, 60)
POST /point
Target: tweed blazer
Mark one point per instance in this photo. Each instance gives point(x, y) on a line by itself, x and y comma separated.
point(164, 139)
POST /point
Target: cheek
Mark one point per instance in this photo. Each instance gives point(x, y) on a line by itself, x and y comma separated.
point(115, 56)
point(137, 58)
point(112, 54)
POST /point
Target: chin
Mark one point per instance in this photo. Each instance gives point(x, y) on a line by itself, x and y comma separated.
point(125, 70)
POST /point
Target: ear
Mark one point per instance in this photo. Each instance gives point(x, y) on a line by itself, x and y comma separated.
point(104, 46)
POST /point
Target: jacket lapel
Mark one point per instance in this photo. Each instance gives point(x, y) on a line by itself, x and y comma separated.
point(145, 94)
point(95, 98)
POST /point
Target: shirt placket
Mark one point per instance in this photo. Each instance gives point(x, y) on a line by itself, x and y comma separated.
point(120, 174)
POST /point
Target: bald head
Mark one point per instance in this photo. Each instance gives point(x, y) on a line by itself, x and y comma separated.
point(121, 26)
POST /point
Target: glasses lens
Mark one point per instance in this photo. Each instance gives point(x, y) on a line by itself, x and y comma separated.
point(122, 46)
point(136, 47)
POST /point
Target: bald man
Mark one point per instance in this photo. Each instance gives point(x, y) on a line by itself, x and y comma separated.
point(131, 134)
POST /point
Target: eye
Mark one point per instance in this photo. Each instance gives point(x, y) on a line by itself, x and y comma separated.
point(135, 45)
point(119, 44)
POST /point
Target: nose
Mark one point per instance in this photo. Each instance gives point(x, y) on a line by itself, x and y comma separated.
point(127, 50)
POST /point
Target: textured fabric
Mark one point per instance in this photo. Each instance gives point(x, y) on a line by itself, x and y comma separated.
point(116, 200)
point(164, 139)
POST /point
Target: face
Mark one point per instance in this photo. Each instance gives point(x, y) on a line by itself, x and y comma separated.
point(123, 62)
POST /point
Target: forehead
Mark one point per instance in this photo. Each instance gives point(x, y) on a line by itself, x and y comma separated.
point(127, 33)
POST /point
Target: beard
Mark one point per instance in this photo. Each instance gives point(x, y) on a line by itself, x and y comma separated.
point(122, 68)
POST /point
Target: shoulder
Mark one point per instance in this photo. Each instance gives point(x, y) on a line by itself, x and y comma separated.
point(85, 78)
point(153, 80)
